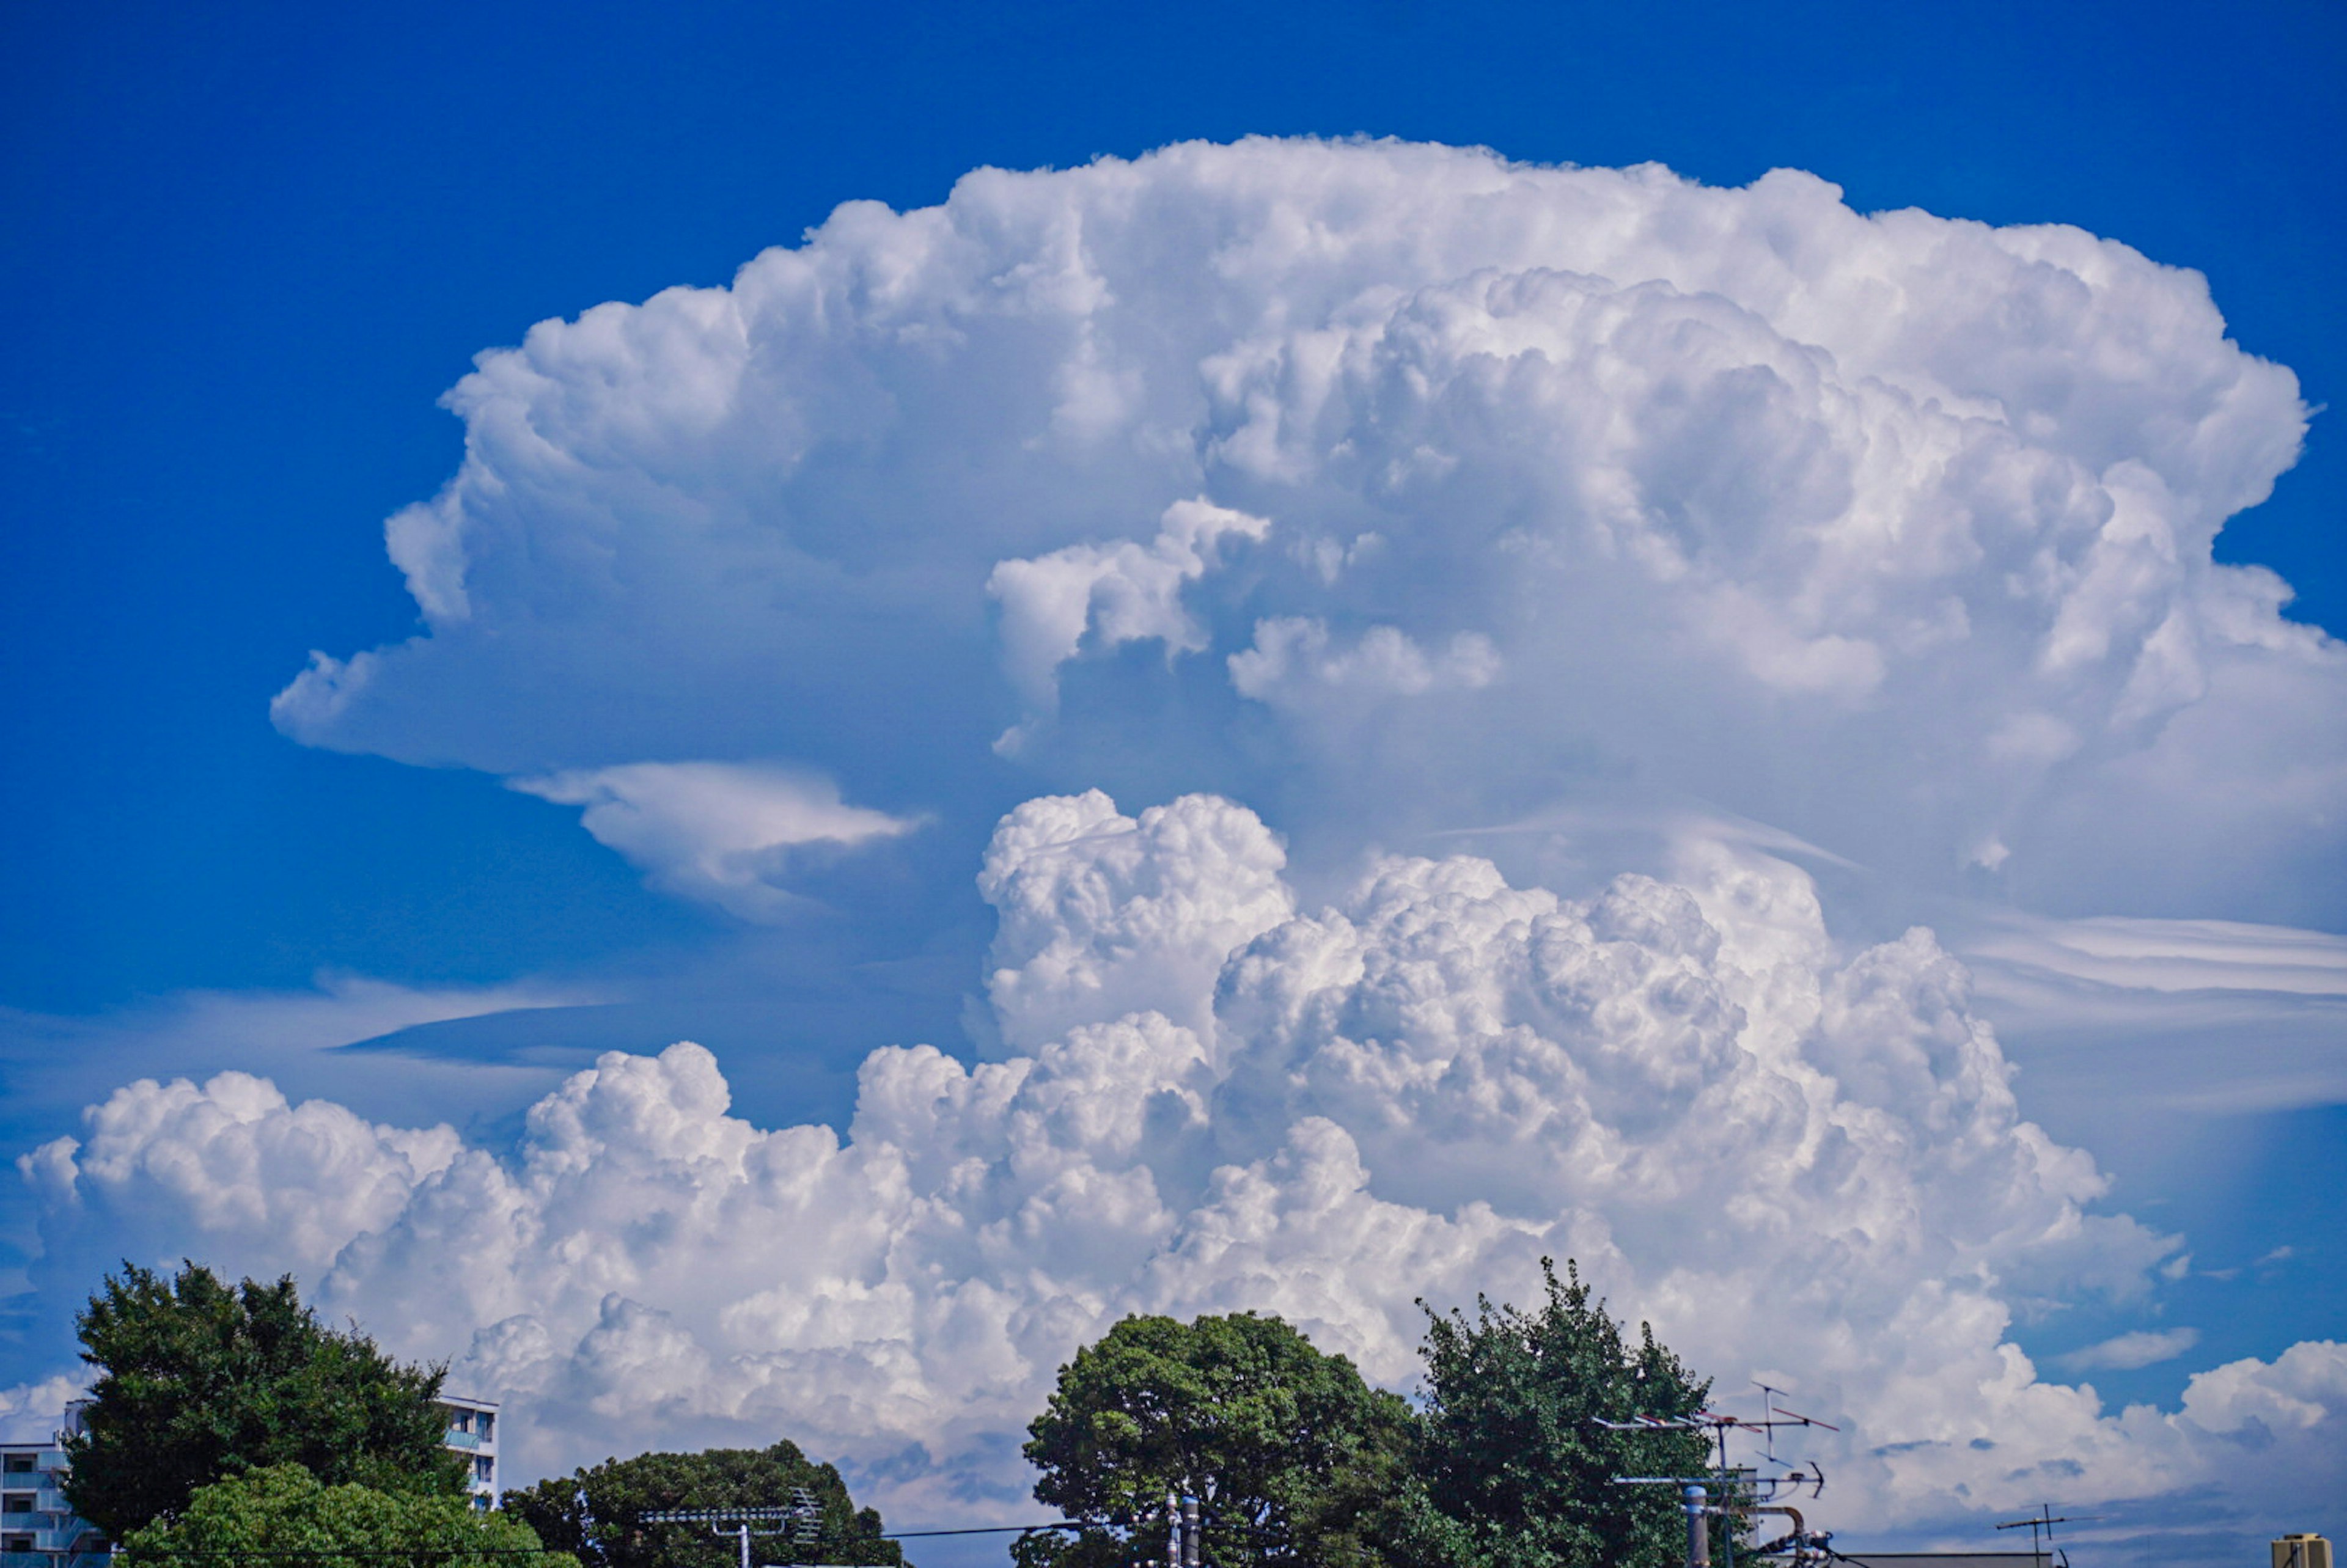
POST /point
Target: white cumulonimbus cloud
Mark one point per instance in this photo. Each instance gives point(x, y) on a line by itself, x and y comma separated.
point(1450, 487)
point(1801, 1163)
point(1396, 490)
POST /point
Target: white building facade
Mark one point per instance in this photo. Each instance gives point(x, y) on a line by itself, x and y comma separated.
point(473, 1432)
point(38, 1528)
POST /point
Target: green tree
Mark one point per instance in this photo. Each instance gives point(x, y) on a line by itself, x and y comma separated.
point(282, 1512)
point(593, 1513)
point(1293, 1458)
point(1516, 1466)
point(199, 1381)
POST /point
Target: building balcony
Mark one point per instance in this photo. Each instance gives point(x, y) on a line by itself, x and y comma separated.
point(53, 1559)
point(48, 1536)
point(49, 1500)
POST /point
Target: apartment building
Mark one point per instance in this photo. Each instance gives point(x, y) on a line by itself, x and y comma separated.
point(473, 1432)
point(38, 1528)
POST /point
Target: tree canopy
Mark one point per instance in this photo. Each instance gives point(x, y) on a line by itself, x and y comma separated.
point(592, 1513)
point(282, 1512)
point(1294, 1457)
point(200, 1381)
point(1516, 1468)
point(1298, 1461)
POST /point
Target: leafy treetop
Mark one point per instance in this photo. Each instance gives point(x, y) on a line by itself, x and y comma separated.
point(1294, 1459)
point(199, 1380)
point(282, 1514)
point(592, 1513)
point(1516, 1468)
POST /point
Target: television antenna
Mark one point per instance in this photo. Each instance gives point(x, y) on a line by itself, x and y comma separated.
point(2042, 1523)
point(799, 1519)
point(1719, 1423)
point(1727, 1494)
point(1777, 1416)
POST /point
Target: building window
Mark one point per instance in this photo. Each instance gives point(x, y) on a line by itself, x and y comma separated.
point(20, 1464)
point(488, 1425)
point(460, 1421)
point(485, 1469)
point(17, 1502)
point(17, 1543)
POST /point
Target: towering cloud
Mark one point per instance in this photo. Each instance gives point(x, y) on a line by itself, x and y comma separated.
point(1336, 505)
point(1802, 1162)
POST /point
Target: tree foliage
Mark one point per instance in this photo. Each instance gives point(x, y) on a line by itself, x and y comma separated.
point(1294, 1459)
point(593, 1513)
point(282, 1512)
point(1516, 1468)
point(200, 1381)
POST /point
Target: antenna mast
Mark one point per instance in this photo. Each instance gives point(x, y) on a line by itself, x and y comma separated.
point(2043, 1522)
point(1729, 1494)
point(800, 1519)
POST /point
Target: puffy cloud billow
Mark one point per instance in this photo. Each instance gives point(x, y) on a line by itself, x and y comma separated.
point(1325, 502)
point(1802, 1162)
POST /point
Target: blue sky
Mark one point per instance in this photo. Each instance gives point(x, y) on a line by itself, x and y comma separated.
point(250, 249)
point(257, 247)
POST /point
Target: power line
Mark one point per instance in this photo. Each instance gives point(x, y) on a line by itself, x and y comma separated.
point(984, 1530)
